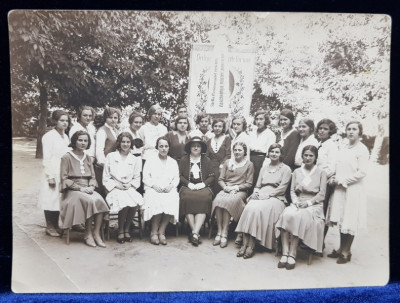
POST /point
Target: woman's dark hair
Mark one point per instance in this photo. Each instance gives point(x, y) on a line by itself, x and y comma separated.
point(309, 123)
point(152, 110)
point(273, 146)
point(177, 119)
point(134, 115)
point(219, 120)
point(56, 115)
point(265, 115)
point(201, 116)
point(242, 144)
point(288, 114)
point(331, 125)
point(81, 109)
point(161, 138)
point(360, 127)
point(243, 119)
point(180, 107)
point(312, 149)
point(100, 120)
point(75, 137)
point(121, 136)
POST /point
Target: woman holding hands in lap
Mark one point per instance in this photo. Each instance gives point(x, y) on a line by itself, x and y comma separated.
point(121, 179)
point(265, 205)
point(235, 179)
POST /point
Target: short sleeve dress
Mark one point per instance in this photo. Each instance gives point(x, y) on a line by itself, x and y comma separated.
point(306, 223)
point(77, 206)
point(260, 216)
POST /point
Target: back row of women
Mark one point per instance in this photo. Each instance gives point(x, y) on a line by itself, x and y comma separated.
point(303, 181)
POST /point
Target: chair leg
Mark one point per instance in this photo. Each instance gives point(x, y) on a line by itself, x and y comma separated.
point(67, 236)
point(310, 257)
point(211, 227)
point(177, 226)
point(139, 213)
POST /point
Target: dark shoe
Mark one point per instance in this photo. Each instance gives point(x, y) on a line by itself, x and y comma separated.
point(127, 238)
point(162, 239)
point(343, 260)
point(241, 252)
point(334, 254)
point(282, 264)
point(79, 227)
point(89, 241)
point(121, 240)
point(239, 239)
point(195, 239)
point(249, 253)
point(224, 241)
point(291, 266)
point(319, 254)
point(99, 242)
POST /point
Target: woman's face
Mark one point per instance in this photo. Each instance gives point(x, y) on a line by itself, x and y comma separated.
point(274, 154)
point(156, 117)
point(195, 149)
point(125, 144)
point(308, 157)
point(82, 143)
point(237, 125)
point(260, 121)
point(203, 125)
point(352, 132)
point(112, 120)
point(163, 147)
point(62, 123)
point(137, 123)
point(323, 132)
point(238, 152)
point(218, 128)
point(86, 117)
point(284, 122)
point(304, 130)
point(182, 125)
point(182, 112)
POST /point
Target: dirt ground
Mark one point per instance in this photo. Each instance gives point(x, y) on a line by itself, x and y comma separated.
point(45, 264)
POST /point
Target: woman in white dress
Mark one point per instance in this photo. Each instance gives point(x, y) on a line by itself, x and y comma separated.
point(347, 206)
point(306, 131)
point(55, 145)
point(121, 179)
point(161, 198)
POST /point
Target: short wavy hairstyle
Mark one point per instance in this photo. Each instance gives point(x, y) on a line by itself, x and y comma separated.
point(134, 115)
point(56, 115)
point(177, 119)
point(265, 114)
point(219, 120)
point(201, 116)
point(109, 111)
point(121, 136)
point(242, 144)
point(288, 114)
point(159, 139)
point(312, 149)
point(273, 146)
point(309, 123)
point(360, 126)
point(331, 125)
point(81, 109)
point(75, 137)
point(243, 119)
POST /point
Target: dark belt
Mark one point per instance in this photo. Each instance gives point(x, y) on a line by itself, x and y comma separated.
point(82, 177)
point(254, 153)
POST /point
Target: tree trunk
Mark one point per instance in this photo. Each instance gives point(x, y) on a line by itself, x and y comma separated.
point(42, 118)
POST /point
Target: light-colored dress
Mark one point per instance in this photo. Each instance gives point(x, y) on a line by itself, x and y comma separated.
point(311, 140)
point(77, 206)
point(241, 176)
point(327, 156)
point(348, 206)
point(125, 171)
point(306, 223)
point(91, 130)
point(260, 215)
point(54, 147)
point(150, 133)
point(163, 174)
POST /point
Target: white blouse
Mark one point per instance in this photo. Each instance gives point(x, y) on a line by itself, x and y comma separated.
point(327, 156)
point(260, 142)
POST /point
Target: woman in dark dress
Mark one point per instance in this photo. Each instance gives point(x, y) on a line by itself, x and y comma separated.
point(178, 138)
point(196, 176)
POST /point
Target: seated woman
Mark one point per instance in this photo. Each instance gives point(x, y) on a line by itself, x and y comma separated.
point(121, 179)
point(304, 218)
point(196, 176)
point(235, 179)
point(265, 204)
point(161, 198)
point(80, 203)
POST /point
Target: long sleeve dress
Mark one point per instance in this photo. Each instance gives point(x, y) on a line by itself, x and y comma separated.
point(241, 176)
point(306, 223)
point(77, 206)
point(176, 148)
point(125, 171)
point(347, 206)
point(162, 174)
point(195, 201)
point(260, 215)
point(54, 147)
point(289, 142)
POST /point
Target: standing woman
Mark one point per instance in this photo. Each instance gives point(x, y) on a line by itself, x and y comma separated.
point(161, 198)
point(178, 138)
point(347, 206)
point(235, 179)
point(86, 115)
point(265, 204)
point(260, 141)
point(288, 138)
point(106, 140)
point(203, 131)
point(304, 218)
point(151, 131)
point(121, 179)
point(80, 203)
point(218, 149)
point(196, 176)
point(135, 123)
point(55, 145)
point(306, 132)
point(239, 126)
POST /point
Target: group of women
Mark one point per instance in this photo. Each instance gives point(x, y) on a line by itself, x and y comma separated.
point(291, 186)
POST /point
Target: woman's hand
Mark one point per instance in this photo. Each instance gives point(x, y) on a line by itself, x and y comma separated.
point(86, 190)
point(227, 189)
point(200, 186)
point(119, 186)
point(158, 189)
point(255, 195)
point(126, 186)
point(52, 182)
point(303, 204)
point(332, 181)
point(168, 188)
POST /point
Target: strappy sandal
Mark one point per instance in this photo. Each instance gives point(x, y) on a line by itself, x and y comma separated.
point(129, 238)
point(282, 264)
point(241, 252)
point(217, 240)
point(195, 239)
point(224, 241)
point(291, 266)
point(249, 253)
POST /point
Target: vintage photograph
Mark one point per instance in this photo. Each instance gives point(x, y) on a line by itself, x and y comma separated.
point(174, 151)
